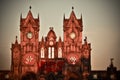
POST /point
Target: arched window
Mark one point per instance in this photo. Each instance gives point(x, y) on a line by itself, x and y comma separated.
point(51, 52)
point(42, 53)
point(59, 53)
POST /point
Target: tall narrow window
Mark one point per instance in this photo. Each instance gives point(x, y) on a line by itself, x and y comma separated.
point(42, 53)
point(59, 53)
point(49, 52)
point(52, 52)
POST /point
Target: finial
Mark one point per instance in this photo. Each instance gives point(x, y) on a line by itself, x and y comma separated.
point(21, 16)
point(16, 42)
point(72, 8)
point(111, 61)
point(59, 38)
point(30, 7)
point(51, 28)
point(16, 37)
point(64, 16)
point(42, 38)
point(38, 15)
point(38, 18)
point(81, 16)
point(85, 38)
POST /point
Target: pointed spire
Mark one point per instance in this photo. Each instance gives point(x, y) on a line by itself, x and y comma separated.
point(81, 21)
point(29, 13)
point(21, 17)
point(81, 16)
point(72, 15)
point(38, 16)
point(60, 39)
point(16, 41)
point(42, 39)
point(60, 42)
point(64, 16)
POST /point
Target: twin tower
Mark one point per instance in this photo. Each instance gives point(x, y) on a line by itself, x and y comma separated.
point(49, 55)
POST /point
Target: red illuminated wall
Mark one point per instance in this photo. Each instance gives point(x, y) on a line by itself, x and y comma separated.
point(48, 54)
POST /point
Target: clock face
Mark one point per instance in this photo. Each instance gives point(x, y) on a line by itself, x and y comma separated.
point(29, 59)
point(29, 35)
point(51, 43)
point(72, 35)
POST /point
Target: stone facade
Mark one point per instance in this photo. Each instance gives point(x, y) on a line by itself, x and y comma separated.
point(48, 54)
point(67, 59)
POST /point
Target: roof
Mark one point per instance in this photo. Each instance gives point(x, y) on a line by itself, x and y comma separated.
point(51, 33)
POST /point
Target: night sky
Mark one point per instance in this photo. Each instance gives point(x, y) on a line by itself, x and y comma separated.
point(101, 24)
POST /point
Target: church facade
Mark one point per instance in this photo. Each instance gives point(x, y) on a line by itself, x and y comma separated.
point(47, 54)
point(50, 55)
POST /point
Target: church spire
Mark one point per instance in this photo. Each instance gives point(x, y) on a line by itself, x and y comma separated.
point(21, 17)
point(60, 39)
point(16, 41)
point(60, 42)
point(38, 16)
point(64, 16)
point(30, 13)
point(81, 17)
point(72, 15)
point(42, 39)
point(81, 21)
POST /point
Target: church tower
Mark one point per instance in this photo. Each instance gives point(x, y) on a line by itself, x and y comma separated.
point(25, 54)
point(72, 30)
point(15, 64)
point(29, 40)
point(76, 52)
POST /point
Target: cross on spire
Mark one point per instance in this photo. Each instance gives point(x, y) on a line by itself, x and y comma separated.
point(16, 37)
point(112, 60)
point(72, 8)
point(51, 28)
point(30, 7)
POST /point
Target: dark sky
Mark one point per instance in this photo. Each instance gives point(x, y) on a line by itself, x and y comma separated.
point(101, 24)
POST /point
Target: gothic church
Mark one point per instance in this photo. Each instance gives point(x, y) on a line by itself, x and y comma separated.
point(47, 54)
